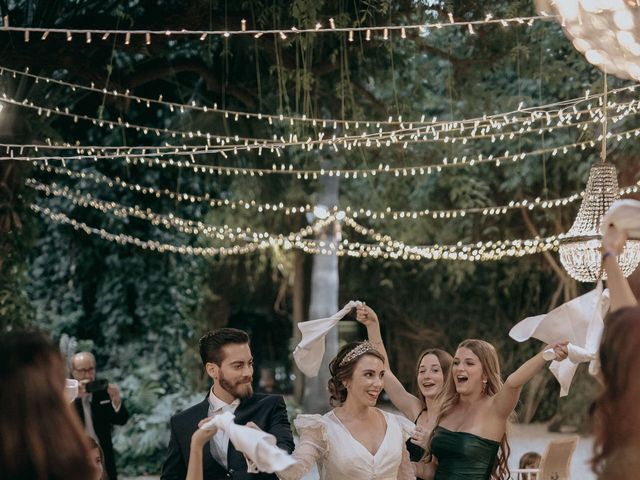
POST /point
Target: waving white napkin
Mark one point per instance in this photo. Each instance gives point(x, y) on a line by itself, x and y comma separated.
point(259, 448)
point(580, 322)
point(576, 354)
point(625, 215)
point(309, 352)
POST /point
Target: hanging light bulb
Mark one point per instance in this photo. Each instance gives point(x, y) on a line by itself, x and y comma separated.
point(580, 252)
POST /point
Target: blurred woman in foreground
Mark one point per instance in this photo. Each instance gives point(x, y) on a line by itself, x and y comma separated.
point(41, 438)
point(615, 413)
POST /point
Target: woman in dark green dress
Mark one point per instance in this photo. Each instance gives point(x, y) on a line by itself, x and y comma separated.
point(469, 441)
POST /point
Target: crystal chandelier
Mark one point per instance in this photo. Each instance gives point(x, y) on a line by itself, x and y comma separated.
point(605, 31)
point(580, 247)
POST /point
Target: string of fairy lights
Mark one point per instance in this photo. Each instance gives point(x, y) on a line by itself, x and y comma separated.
point(236, 144)
point(168, 221)
point(507, 158)
point(151, 158)
point(388, 213)
point(385, 246)
point(443, 132)
point(368, 33)
point(392, 250)
point(550, 110)
point(194, 149)
point(480, 251)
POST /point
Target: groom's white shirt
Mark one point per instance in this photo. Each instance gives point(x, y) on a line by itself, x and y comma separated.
point(219, 443)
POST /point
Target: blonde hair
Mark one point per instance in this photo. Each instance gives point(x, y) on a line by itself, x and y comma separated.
point(449, 397)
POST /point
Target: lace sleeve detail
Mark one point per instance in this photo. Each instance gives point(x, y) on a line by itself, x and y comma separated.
point(406, 426)
point(313, 446)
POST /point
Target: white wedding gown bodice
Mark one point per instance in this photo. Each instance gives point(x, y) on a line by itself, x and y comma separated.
point(326, 441)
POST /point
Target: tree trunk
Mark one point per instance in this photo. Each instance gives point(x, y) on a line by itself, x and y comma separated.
point(324, 302)
point(298, 316)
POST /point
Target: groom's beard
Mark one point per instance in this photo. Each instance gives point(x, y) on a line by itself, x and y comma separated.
point(241, 388)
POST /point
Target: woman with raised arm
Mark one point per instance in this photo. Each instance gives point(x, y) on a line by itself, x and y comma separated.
point(355, 440)
point(469, 441)
point(615, 414)
point(432, 368)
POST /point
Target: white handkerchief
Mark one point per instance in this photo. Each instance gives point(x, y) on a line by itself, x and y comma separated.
point(309, 352)
point(580, 322)
point(576, 354)
point(625, 215)
point(258, 447)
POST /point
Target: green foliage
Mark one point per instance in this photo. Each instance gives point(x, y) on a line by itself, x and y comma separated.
point(17, 236)
point(143, 311)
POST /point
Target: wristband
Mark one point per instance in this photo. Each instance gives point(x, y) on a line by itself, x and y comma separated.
point(607, 254)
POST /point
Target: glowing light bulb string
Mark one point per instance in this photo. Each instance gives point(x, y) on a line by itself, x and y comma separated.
point(489, 251)
point(388, 213)
point(316, 121)
point(235, 143)
point(410, 170)
point(499, 160)
point(282, 33)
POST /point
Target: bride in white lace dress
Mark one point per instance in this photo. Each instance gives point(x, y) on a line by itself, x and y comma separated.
point(355, 440)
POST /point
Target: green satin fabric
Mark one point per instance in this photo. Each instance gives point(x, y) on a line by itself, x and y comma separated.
point(463, 456)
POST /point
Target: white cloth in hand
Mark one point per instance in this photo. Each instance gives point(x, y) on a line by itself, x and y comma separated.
point(309, 352)
point(258, 447)
point(576, 354)
point(580, 322)
point(625, 215)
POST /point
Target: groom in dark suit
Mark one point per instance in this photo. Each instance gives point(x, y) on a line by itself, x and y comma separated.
point(227, 359)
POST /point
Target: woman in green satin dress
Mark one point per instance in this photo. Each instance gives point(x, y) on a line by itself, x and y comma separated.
point(469, 441)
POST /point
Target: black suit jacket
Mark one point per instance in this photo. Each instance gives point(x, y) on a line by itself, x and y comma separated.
point(267, 411)
point(104, 417)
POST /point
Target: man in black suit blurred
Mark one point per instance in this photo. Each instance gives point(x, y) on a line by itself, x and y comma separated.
point(98, 410)
point(227, 359)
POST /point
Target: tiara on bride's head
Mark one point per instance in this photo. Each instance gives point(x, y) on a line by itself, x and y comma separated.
point(356, 352)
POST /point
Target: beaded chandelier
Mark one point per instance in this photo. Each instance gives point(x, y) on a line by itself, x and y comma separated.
point(580, 247)
point(580, 253)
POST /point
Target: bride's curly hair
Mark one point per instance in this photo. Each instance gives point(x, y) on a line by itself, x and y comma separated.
point(343, 370)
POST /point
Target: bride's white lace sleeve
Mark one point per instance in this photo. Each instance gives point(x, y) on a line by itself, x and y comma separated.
point(313, 446)
point(406, 470)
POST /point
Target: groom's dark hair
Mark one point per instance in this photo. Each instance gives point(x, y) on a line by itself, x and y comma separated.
point(211, 344)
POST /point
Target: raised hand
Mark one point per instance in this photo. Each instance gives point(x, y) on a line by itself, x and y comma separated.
point(420, 437)
point(200, 437)
point(613, 240)
point(365, 315)
point(561, 350)
point(114, 393)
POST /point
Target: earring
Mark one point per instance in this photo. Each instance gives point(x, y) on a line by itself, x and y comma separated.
point(484, 386)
